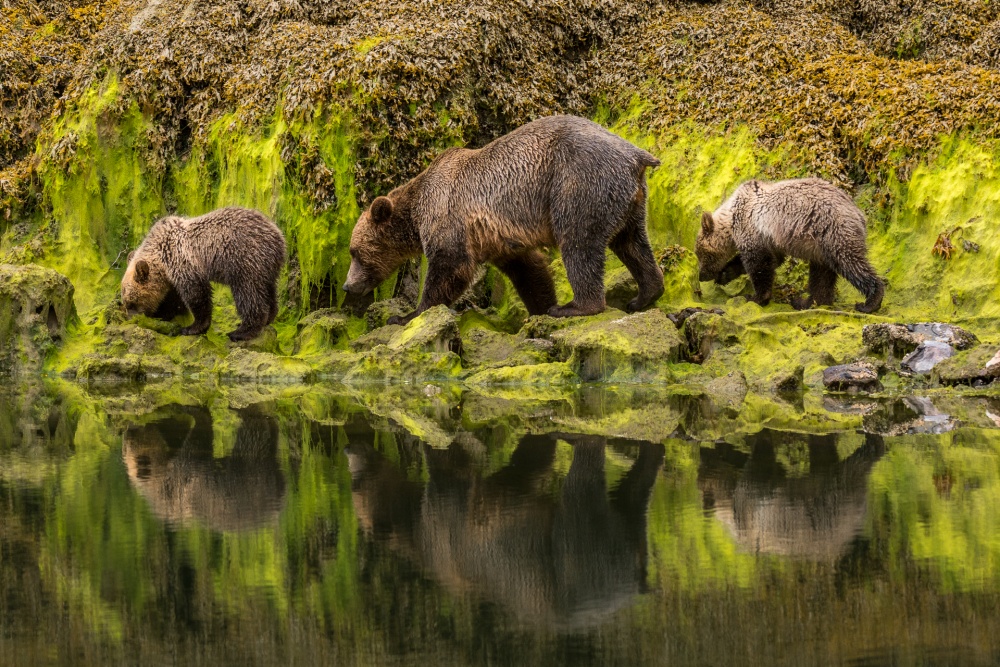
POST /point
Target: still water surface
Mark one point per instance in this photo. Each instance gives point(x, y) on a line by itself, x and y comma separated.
point(328, 528)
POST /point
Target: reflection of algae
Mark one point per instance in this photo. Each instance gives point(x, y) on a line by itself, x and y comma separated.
point(940, 493)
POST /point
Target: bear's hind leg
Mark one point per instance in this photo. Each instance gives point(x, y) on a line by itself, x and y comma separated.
point(585, 271)
point(822, 281)
point(530, 275)
point(273, 305)
point(860, 273)
point(448, 276)
point(253, 306)
point(631, 245)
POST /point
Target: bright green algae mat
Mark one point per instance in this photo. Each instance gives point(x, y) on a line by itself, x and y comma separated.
point(307, 524)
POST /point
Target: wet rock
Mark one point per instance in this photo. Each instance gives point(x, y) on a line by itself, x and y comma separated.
point(681, 316)
point(132, 352)
point(242, 364)
point(632, 348)
point(557, 373)
point(493, 349)
point(266, 341)
point(976, 367)
point(36, 304)
point(620, 288)
point(321, 331)
point(379, 312)
point(847, 405)
point(789, 382)
point(855, 377)
point(900, 339)
point(428, 347)
point(927, 355)
point(707, 332)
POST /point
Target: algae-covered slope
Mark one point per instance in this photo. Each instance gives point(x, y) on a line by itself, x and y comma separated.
point(115, 113)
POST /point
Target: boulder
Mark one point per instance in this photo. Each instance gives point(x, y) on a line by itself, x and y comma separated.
point(379, 312)
point(707, 332)
point(976, 367)
point(631, 348)
point(852, 378)
point(36, 304)
point(681, 316)
point(321, 331)
point(243, 364)
point(926, 356)
point(483, 348)
point(901, 339)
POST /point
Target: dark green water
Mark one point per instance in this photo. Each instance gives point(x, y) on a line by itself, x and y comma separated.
point(321, 526)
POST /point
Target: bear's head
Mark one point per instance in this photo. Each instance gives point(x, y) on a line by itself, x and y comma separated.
point(144, 286)
point(715, 246)
point(382, 240)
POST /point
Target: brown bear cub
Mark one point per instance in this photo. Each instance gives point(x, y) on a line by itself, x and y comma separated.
point(172, 271)
point(805, 218)
point(558, 181)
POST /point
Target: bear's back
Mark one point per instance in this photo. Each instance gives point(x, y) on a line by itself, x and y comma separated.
point(802, 216)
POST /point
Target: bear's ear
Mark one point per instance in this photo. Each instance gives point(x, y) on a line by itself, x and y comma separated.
point(381, 210)
point(141, 271)
point(707, 223)
point(128, 260)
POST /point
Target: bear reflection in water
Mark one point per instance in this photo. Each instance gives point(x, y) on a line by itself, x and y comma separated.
point(815, 516)
point(565, 558)
point(171, 464)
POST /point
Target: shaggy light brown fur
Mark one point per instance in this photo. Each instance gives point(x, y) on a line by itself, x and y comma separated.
point(181, 257)
point(805, 218)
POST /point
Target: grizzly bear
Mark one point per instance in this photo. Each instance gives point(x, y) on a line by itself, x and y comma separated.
point(805, 218)
point(557, 181)
point(173, 269)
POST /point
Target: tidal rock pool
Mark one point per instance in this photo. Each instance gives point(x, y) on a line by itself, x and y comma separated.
point(324, 524)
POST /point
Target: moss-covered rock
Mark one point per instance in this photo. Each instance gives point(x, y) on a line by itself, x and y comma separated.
point(379, 312)
point(707, 332)
point(553, 374)
point(898, 340)
point(265, 341)
point(483, 348)
point(621, 348)
point(243, 364)
point(321, 331)
point(853, 377)
point(969, 367)
point(36, 305)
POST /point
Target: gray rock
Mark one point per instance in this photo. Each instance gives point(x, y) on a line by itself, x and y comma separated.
point(856, 377)
point(927, 355)
point(900, 339)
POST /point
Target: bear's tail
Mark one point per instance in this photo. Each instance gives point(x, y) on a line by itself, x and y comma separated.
point(647, 159)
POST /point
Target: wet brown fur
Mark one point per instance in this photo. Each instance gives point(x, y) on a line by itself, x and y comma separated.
point(558, 181)
point(173, 269)
point(805, 218)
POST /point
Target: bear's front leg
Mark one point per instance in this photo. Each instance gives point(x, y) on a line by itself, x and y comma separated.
point(448, 276)
point(585, 271)
point(197, 296)
point(760, 266)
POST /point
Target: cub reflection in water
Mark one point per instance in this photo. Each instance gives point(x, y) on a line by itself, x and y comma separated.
point(815, 516)
point(170, 463)
point(567, 558)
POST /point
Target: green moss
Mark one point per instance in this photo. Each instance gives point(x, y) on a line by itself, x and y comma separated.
point(552, 374)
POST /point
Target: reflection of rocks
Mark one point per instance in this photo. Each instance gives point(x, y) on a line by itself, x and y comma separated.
point(170, 463)
point(566, 560)
point(908, 416)
point(815, 516)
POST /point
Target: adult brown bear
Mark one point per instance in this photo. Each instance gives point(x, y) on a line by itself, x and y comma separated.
point(558, 181)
